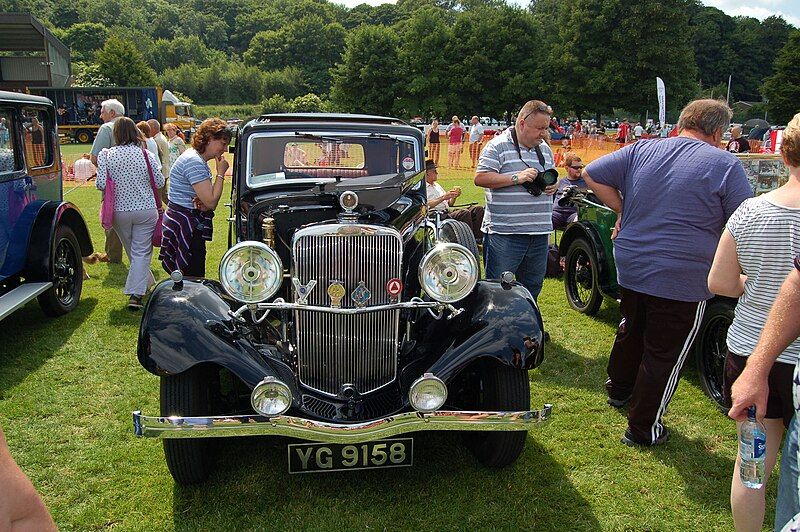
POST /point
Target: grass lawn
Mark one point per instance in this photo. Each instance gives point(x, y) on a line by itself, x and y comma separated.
point(67, 388)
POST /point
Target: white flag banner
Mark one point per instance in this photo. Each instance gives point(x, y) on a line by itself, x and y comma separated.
point(662, 101)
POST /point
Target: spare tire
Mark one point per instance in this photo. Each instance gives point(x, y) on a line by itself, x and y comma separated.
point(457, 232)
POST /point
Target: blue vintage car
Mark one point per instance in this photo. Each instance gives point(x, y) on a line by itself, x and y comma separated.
point(42, 237)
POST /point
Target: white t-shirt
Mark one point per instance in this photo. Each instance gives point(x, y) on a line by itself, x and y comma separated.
point(476, 132)
point(638, 131)
point(152, 146)
point(435, 191)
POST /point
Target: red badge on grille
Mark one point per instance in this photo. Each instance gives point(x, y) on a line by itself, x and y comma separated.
point(394, 287)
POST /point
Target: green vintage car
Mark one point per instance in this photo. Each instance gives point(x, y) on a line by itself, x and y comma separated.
point(591, 275)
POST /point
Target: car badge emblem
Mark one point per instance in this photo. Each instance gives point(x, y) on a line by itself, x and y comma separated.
point(336, 293)
point(361, 294)
point(303, 291)
point(408, 163)
point(394, 287)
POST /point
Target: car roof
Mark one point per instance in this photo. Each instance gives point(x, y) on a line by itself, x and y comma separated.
point(329, 117)
point(18, 97)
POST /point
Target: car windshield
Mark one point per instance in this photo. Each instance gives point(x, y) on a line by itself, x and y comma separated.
point(325, 157)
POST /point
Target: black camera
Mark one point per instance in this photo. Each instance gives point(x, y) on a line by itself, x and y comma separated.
point(543, 179)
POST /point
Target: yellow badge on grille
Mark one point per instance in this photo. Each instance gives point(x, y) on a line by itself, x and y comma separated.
point(336, 293)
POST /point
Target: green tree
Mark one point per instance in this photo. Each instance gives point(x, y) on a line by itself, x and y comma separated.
point(782, 90)
point(756, 43)
point(426, 69)
point(605, 56)
point(366, 80)
point(122, 63)
point(275, 104)
point(288, 82)
point(182, 49)
point(310, 44)
point(84, 39)
point(713, 43)
point(89, 75)
point(308, 103)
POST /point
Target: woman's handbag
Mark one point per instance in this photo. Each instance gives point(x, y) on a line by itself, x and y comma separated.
point(157, 234)
point(107, 209)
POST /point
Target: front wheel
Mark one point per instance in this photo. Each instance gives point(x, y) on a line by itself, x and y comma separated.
point(190, 460)
point(581, 280)
point(710, 348)
point(67, 275)
point(496, 386)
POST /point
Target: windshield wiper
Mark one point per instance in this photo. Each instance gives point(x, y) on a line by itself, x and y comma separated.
point(309, 136)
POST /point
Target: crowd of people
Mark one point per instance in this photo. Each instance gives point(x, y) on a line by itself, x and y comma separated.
point(140, 161)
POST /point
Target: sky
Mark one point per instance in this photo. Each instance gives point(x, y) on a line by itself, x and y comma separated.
point(760, 9)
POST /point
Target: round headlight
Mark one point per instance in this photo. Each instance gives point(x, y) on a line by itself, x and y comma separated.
point(428, 393)
point(448, 272)
point(251, 272)
point(271, 397)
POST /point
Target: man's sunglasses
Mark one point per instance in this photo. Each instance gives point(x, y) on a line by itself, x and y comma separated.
point(541, 108)
point(579, 167)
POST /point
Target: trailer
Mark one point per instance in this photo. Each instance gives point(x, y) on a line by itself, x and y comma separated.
point(78, 108)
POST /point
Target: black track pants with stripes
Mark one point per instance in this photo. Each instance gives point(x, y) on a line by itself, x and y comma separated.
point(653, 340)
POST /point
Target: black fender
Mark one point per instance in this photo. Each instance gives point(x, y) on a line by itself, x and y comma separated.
point(585, 230)
point(189, 323)
point(500, 321)
point(49, 216)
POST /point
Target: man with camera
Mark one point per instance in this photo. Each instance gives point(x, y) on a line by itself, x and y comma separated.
point(672, 198)
point(516, 169)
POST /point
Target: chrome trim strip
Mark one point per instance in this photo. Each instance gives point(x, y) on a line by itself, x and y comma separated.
point(17, 298)
point(279, 304)
point(322, 431)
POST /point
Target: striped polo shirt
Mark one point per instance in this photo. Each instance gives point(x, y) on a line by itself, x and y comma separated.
point(767, 240)
point(512, 210)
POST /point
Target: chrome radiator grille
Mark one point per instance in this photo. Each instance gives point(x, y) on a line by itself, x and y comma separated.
point(336, 349)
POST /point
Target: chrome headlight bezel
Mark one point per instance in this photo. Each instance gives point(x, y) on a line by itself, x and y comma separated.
point(433, 275)
point(267, 274)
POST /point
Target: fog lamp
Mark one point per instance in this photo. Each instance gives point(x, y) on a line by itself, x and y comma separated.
point(271, 397)
point(428, 393)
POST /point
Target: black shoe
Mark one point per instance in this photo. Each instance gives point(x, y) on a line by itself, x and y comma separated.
point(628, 439)
point(618, 403)
point(135, 303)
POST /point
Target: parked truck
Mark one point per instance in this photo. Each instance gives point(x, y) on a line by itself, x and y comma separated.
point(78, 108)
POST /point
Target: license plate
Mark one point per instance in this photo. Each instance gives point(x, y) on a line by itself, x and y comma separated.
point(323, 457)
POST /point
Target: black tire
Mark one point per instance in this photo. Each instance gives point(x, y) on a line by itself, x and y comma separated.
point(190, 461)
point(496, 386)
point(457, 232)
point(581, 284)
point(710, 348)
point(84, 136)
point(66, 272)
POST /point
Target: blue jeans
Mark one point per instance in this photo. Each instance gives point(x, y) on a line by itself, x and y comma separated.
point(523, 255)
point(788, 503)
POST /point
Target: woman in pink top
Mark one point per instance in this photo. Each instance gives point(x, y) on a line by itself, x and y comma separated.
point(455, 133)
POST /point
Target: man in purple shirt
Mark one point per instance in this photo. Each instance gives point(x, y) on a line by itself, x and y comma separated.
point(672, 198)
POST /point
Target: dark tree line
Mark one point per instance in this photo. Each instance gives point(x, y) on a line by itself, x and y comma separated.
point(430, 57)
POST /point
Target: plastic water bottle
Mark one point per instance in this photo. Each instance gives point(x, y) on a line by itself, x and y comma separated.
point(752, 449)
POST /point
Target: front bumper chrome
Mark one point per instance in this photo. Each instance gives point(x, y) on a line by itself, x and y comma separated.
point(322, 431)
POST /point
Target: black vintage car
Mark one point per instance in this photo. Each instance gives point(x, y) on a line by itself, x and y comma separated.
point(42, 237)
point(343, 316)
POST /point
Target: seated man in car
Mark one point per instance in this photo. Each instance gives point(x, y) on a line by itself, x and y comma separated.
point(563, 216)
point(440, 200)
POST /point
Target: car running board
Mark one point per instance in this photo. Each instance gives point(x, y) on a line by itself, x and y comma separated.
point(20, 296)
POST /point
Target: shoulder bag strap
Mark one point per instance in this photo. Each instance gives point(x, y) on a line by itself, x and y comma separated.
point(152, 182)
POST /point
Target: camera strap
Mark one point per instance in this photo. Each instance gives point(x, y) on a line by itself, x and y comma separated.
point(537, 149)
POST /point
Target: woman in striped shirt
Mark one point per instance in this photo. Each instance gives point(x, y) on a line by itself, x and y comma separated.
point(754, 256)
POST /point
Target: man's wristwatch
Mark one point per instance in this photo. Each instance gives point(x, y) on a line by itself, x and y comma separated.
point(514, 179)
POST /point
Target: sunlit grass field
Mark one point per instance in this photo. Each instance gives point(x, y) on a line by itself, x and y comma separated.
point(68, 386)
